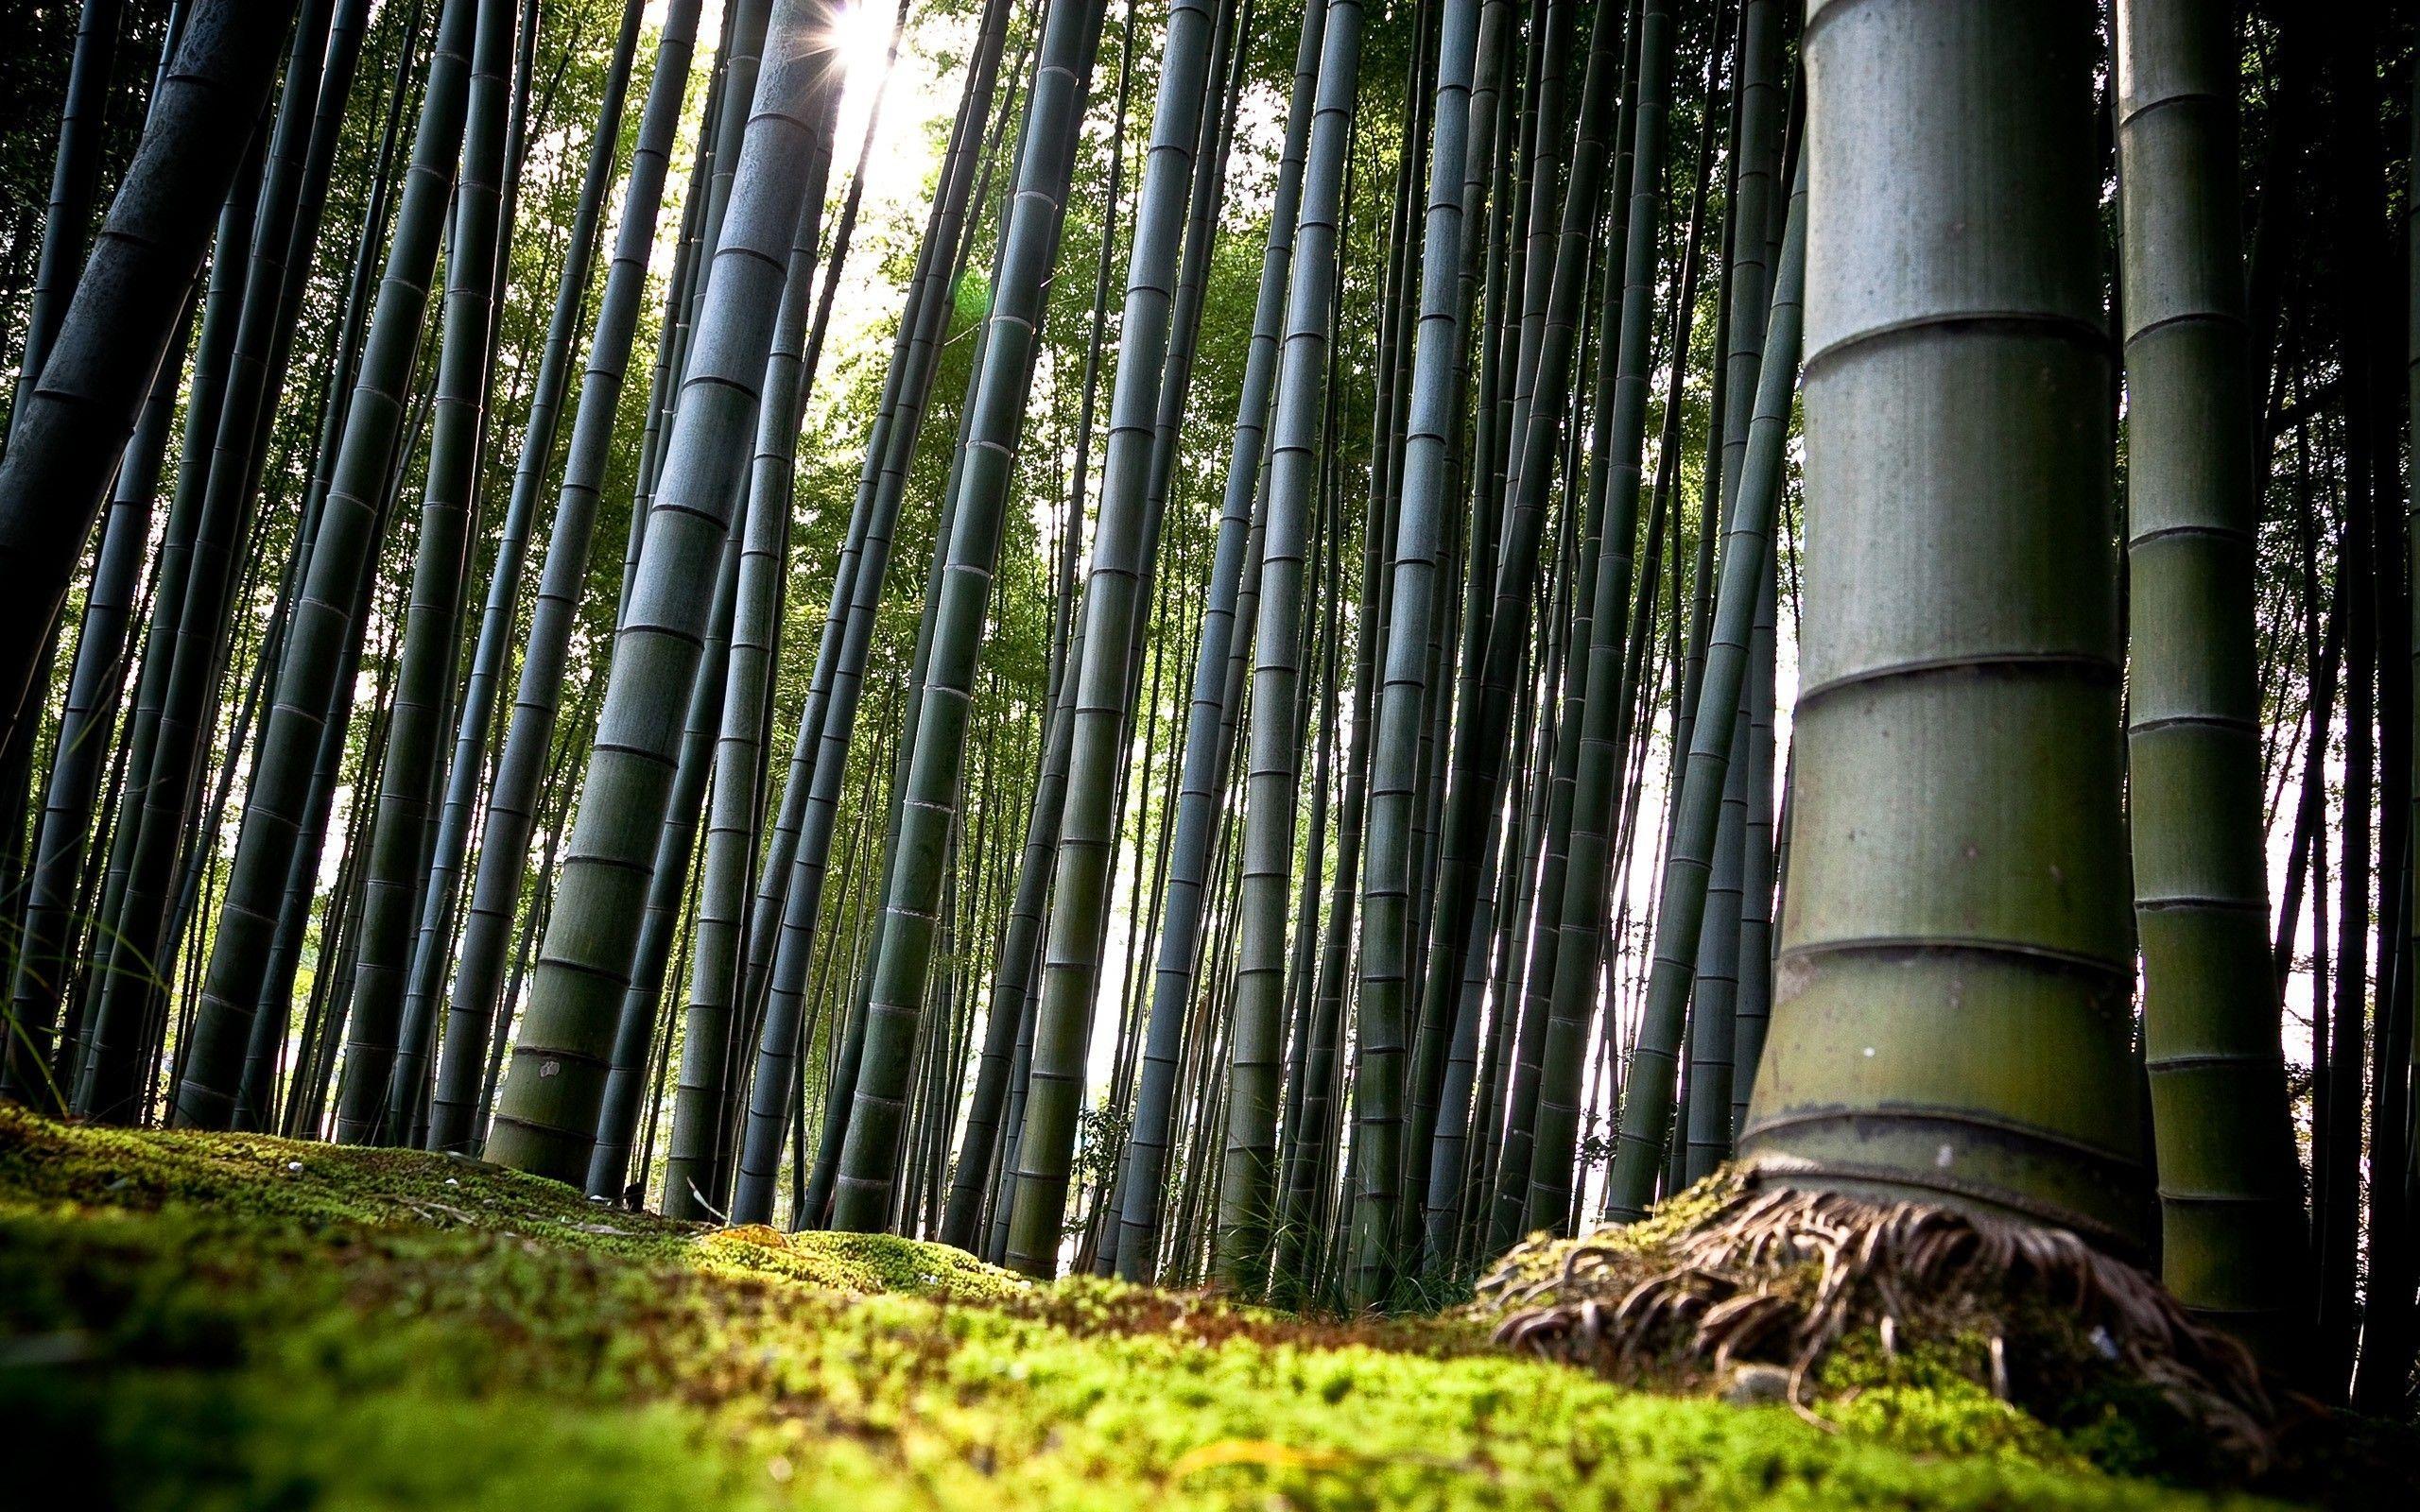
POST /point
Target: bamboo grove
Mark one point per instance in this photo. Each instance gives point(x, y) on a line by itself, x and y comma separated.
point(1235, 641)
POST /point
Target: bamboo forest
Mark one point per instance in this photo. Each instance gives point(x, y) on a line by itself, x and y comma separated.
point(1008, 754)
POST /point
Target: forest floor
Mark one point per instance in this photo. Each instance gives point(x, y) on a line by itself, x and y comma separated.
point(198, 1322)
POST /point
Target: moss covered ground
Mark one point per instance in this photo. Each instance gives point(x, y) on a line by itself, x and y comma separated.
point(232, 1322)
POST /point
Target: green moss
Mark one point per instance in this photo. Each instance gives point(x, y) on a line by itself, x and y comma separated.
point(854, 1263)
point(1930, 1400)
point(1964, 1420)
point(254, 1182)
point(1540, 1257)
point(192, 1323)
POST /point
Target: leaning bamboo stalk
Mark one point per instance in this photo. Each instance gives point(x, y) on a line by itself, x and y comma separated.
point(74, 181)
point(71, 421)
point(1483, 723)
point(668, 922)
point(1209, 186)
point(546, 1105)
point(340, 556)
point(1201, 765)
point(514, 793)
point(476, 716)
point(772, 888)
point(827, 725)
point(701, 1162)
point(45, 961)
point(1200, 782)
point(1433, 428)
point(1432, 1166)
point(997, 403)
point(186, 622)
point(1101, 703)
point(423, 684)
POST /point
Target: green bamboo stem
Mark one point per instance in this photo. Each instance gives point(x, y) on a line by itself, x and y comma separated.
point(424, 682)
point(66, 225)
point(773, 890)
point(1101, 705)
point(1485, 168)
point(936, 754)
point(1612, 535)
point(513, 792)
point(2231, 1245)
point(827, 726)
point(669, 921)
point(1218, 125)
point(1388, 864)
point(1705, 1111)
point(1762, 112)
point(547, 1106)
point(75, 181)
point(1647, 1105)
point(341, 553)
point(186, 625)
point(1952, 1021)
point(71, 423)
point(995, 1123)
point(474, 721)
point(1534, 433)
point(1201, 786)
point(46, 957)
point(700, 1160)
point(205, 387)
point(1752, 1007)
point(1247, 1208)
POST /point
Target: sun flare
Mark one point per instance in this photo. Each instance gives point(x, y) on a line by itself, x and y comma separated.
point(861, 35)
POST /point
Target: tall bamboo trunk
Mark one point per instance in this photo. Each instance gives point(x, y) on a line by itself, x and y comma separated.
point(513, 795)
point(936, 759)
point(1647, 1106)
point(701, 1161)
point(1950, 1020)
point(424, 681)
point(827, 726)
point(467, 769)
point(75, 179)
point(131, 988)
point(1247, 1171)
point(46, 957)
point(1201, 784)
point(342, 550)
point(1581, 949)
point(1389, 869)
point(72, 420)
point(772, 886)
point(545, 1111)
point(1101, 705)
point(2231, 1221)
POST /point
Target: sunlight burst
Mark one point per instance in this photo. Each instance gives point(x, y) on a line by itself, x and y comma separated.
point(861, 34)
